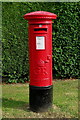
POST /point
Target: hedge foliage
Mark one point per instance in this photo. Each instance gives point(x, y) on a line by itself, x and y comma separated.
point(15, 39)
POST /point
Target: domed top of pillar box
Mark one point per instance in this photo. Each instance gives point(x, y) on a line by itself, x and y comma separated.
point(38, 17)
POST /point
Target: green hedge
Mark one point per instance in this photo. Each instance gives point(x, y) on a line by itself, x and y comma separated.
point(15, 39)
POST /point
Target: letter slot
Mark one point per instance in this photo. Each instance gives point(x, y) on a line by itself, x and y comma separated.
point(40, 29)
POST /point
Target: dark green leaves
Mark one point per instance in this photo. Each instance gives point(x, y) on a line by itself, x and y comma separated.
point(15, 39)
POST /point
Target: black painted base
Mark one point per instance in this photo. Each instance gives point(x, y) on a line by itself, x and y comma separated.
point(40, 98)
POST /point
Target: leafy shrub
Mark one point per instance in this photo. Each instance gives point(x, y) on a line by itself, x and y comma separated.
point(15, 39)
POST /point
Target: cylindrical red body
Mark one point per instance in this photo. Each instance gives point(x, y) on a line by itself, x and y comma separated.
point(40, 58)
point(40, 54)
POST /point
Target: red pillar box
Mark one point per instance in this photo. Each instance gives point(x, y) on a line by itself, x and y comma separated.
point(40, 59)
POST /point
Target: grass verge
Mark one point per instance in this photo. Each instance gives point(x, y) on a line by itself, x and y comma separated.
point(65, 101)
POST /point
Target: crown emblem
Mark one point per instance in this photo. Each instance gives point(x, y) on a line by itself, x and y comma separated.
point(40, 63)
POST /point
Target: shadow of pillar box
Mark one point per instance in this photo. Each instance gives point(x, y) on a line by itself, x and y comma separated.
point(40, 59)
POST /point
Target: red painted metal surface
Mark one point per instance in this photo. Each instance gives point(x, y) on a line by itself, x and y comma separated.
point(40, 47)
point(40, 15)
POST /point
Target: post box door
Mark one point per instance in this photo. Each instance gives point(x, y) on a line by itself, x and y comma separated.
point(40, 55)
